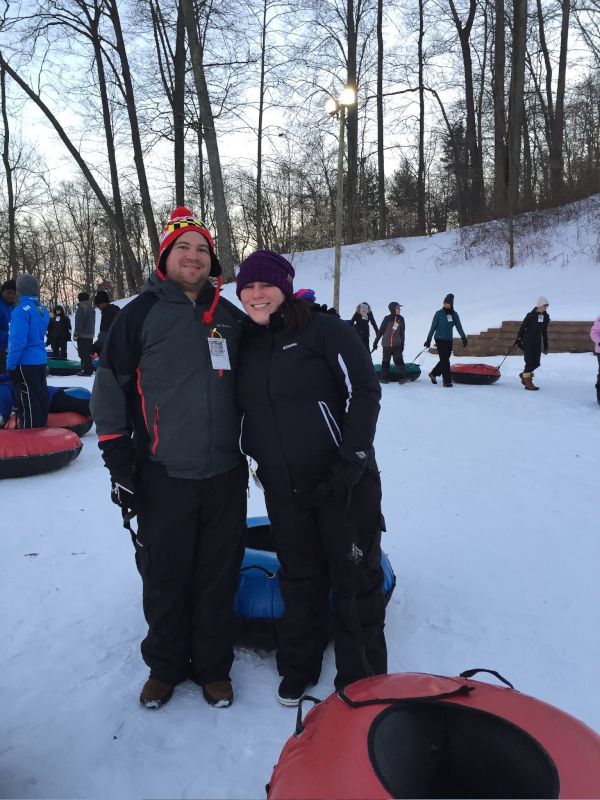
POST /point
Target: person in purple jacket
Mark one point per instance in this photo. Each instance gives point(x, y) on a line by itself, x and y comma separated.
point(595, 337)
point(26, 358)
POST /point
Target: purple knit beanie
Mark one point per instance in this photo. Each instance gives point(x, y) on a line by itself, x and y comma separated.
point(266, 266)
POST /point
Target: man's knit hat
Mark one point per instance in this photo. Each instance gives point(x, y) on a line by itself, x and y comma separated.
point(27, 285)
point(101, 297)
point(83, 296)
point(542, 301)
point(10, 285)
point(266, 266)
point(182, 220)
point(449, 299)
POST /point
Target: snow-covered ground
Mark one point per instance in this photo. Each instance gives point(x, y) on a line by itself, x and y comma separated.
point(491, 502)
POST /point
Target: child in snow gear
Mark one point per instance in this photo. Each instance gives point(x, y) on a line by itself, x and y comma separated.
point(532, 336)
point(360, 321)
point(8, 301)
point(85, 325)
point(168, 424)
point(391, 333)
point(26, 358)
point(441, 329)
point(108, 312)
point(595, 337)
point(310, 400)
point(59, 333)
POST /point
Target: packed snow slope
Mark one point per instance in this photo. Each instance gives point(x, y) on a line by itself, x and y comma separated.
point(491, 502)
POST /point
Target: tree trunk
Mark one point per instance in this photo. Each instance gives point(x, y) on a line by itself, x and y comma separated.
point(10, 194)
point(421, 223)
point(352, 128)
point(515, 122)
point(179, 111)
point(381, 206)
point(210, 139)
point(500, 163)
point(261, 104)
point(132, 267)
point(558, 126)
point(138, 153)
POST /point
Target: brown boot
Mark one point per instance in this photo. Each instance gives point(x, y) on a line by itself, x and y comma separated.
point(218, 693)
point(432, 377)
point(155, 693)
point(528, 383)
point(522, 378)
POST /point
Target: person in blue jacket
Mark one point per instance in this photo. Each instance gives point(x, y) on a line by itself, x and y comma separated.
point(26, 358)
point(441, 329)
point(8, 299)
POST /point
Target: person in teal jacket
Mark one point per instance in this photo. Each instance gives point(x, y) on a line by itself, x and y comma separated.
point(26, 359)
point(441, 329)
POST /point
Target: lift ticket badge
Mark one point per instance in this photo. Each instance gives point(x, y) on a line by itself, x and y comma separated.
point(218, 352)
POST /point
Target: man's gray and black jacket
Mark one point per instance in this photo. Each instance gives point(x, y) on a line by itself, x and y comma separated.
point(156, 381)
point(391, 336)
point(309, 399)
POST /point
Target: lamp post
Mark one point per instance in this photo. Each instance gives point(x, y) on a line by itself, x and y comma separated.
point(338, 107)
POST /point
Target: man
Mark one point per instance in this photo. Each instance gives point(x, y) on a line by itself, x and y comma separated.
point(169, 430)
point(391, 333)
point(26, 358)
point(8, 300)
point(108, 312)
point(85, 326)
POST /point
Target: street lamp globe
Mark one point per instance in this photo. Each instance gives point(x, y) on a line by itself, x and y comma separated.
point(347, 96)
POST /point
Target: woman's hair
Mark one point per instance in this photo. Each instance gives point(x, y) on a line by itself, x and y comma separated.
point(296, 314)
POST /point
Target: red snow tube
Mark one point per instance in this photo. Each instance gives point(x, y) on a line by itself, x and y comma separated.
point(479, 374)
point(418, 735)
point(62, 419)
point(35, 450)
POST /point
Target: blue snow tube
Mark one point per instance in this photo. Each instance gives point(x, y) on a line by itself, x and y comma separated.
point(258, 602)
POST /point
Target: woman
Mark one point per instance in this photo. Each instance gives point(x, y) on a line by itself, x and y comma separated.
point(532, 335)
point(595, 337)
point(310, 400)
point(443, 322)
point(59, 333)
point(360, 321)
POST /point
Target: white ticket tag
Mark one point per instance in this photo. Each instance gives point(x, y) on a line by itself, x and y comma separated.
point(540, 317)
point(449, 318)
point(218, 352)
point(395, 326)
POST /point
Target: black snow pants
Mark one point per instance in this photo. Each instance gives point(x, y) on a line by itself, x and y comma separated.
point(444, 348)
point(533, 355)
point(313, 546)
point(191, 535)
point(598, 379)
point(84, 351)
point(396, 353)
point(59, 348)
point(61, 401)
point(32, 396)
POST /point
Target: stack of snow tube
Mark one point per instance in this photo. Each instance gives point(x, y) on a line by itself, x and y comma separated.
point(412, 371)
point(36, 450)
point(63, 366)
point(475, 374)
point(417, 735)
point(258, 602)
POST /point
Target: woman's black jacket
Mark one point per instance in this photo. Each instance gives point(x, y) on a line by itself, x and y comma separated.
point(308, 399)
point(534, 330)
point(362, 325)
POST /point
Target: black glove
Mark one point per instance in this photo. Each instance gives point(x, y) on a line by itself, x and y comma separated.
point(519, 343)
point(465, 342)
point(427, 343)
point(340, 480)
point(324, 309)
point(117, 455)
point(546, 351)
